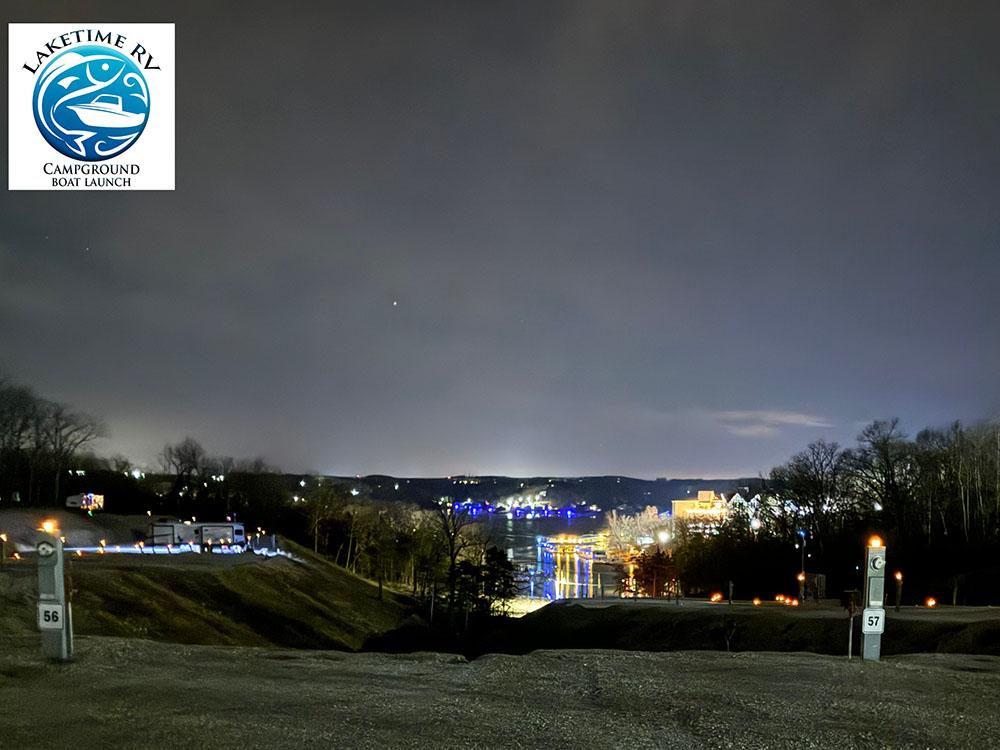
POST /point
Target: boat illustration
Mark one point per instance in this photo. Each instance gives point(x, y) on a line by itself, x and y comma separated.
point(105, 111)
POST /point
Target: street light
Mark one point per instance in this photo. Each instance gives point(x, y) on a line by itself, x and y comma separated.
point(802, 535)
point(899, 588)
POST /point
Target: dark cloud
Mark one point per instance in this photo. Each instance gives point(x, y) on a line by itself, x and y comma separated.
point(648, 239)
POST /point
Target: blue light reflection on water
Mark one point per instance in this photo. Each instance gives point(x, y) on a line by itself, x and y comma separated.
point(544, 571)
point(561, 571)
point(484, 509)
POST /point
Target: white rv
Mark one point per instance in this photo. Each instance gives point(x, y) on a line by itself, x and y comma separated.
point(204, 534)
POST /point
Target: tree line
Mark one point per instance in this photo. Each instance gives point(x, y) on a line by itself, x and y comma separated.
point(933, 498)
point(937, 489)
point(439, 552)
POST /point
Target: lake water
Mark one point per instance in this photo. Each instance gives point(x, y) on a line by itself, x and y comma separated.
point(549, 571)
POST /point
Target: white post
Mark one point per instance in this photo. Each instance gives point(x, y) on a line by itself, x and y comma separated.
point(54, 617)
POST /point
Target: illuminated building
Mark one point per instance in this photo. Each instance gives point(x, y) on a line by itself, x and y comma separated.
point(703, 514)
point(87, 501)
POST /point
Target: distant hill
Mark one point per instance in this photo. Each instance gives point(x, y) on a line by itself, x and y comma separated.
point(124, 495)
point(608, 492)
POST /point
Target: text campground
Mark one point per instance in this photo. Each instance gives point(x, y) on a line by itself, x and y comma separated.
point(91, 169)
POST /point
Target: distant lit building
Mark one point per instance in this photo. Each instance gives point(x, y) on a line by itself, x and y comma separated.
point(88, 501)
point(703, 514)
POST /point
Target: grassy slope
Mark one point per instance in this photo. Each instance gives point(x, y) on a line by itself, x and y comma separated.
point(205, 600)
point(770, 629)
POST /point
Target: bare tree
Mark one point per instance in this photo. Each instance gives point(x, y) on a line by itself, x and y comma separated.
point(881, 470)
point(18, 405)
point(322, 507)
point(813, 482)
point(932, 488)
point(626, 531)
point(64, 433)
point(257, 465)
point(427, 554)
point(186, 460)
point(453, 520)
point(18, 409)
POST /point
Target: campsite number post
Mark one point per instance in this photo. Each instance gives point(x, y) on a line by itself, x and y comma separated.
point(54, 617)
point(873, 616)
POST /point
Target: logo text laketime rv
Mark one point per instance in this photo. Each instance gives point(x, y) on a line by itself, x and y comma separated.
point(80, 97)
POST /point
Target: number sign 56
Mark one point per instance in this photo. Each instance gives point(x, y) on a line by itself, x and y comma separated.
point(50, 616)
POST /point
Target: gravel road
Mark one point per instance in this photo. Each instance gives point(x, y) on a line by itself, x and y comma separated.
point(131, 693)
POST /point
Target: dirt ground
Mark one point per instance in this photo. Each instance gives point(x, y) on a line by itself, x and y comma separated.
point(132, 693)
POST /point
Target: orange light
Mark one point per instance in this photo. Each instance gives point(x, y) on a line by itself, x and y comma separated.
point(875, 541)
point(756, 601)
point(899, 576)
point(795, 602)
point(931, 602)
point(779, 598)
point(801, 577)
point(716, 597)
point(49, 526)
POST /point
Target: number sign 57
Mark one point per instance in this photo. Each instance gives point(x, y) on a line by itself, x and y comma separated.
point(873, 621)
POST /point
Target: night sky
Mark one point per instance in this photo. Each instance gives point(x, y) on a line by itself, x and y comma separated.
point(663, 239)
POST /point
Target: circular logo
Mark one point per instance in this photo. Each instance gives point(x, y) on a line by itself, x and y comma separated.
point(45, 549)
point(91, 103)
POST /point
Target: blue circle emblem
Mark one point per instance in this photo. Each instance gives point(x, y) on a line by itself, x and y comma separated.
point(91, 103)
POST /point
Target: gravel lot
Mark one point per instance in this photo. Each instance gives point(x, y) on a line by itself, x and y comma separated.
point(129, 693)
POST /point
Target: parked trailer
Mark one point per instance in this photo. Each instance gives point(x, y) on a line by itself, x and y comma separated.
point(205, 534)
point(217, 533)
point(171, 532)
